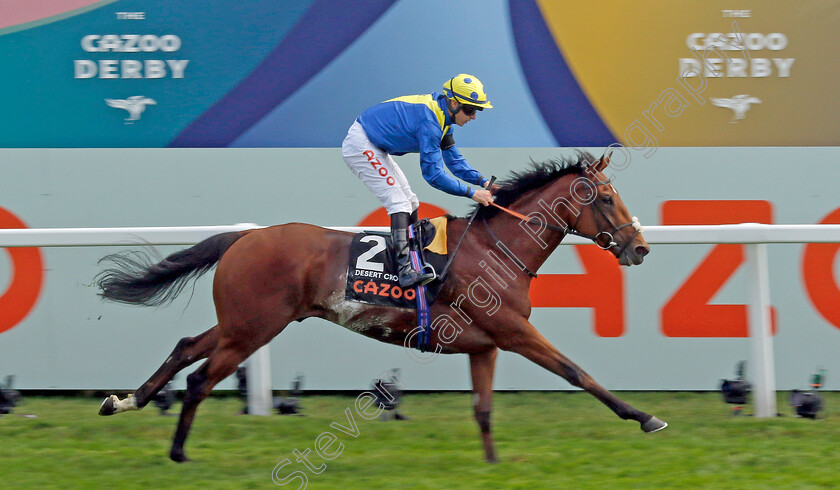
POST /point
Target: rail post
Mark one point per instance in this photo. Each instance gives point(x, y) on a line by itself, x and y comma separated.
point(258, 374)
point(759, 320)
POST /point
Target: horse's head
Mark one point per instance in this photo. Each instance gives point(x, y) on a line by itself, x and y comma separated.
point(605, 219)
point(583, 202)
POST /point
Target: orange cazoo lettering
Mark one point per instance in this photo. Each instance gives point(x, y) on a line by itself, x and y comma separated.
point(689, 313)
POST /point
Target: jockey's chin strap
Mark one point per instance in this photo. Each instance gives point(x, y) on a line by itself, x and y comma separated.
point(605, 243)
point(458, 104)
point(456, 110)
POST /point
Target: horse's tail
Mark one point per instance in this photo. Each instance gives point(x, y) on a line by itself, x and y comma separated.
point(134, 278)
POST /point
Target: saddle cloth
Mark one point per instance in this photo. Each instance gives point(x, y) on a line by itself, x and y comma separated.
point(372, 270)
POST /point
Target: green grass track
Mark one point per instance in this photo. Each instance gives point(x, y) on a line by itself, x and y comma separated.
point(544, 440)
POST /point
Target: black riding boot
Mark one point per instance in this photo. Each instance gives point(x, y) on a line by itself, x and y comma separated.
point(399, 233)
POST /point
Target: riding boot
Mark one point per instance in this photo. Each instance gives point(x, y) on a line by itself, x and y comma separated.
point(399, 233)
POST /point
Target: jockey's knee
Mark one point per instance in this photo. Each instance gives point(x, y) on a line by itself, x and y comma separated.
point(400, 207)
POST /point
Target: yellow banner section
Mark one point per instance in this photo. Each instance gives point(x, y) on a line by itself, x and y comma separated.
point(666, 73)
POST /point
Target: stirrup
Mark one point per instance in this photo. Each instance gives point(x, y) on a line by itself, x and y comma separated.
point(431, 273)
point(414, 278)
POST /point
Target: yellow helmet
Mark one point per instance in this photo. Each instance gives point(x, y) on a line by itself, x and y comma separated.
point(466, 89)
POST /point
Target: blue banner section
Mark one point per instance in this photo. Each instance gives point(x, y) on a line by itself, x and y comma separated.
point(319, 35)
point(413, 49)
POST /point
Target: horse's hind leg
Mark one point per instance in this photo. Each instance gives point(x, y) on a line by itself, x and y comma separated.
point(222, 362)
point(187, 351)
point(531, 344)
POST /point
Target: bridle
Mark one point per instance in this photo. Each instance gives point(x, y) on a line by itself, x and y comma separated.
point(605, 240)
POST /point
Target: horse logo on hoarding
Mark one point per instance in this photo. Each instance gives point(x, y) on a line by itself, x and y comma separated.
point(135, 105)
point(739, 104)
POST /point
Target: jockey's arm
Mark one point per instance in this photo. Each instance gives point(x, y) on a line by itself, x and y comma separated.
point(457, 164)
point(432, 164)
point(437, 177)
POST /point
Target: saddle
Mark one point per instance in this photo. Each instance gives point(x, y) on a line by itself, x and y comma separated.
point(372, 270)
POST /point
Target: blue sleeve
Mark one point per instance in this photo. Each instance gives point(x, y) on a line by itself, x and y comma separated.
point(431, 165)
point(459, 167)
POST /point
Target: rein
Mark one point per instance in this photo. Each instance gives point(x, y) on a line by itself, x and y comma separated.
point(528, 219)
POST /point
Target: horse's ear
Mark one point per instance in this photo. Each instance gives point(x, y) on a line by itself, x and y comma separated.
point(602, 163)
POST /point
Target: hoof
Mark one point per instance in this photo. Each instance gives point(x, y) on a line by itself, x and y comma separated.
point(109, 406)
point(113, 405)
point(178, 456)
point(653, 425)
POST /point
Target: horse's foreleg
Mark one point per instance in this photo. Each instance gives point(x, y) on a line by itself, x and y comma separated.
point(481, 369)
point(187, 351)
point(532, 345)
point(221, 364)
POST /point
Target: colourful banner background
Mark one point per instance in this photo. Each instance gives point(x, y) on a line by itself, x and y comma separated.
point(292, 73)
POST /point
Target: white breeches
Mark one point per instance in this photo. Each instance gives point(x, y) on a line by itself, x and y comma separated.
point(378, 171)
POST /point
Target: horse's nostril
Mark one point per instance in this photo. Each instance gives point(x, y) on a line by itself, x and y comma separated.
point(641, 250)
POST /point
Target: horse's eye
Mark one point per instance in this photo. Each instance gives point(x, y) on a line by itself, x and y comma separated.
point(608, 200)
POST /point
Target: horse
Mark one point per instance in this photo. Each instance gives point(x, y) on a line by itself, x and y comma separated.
point(266, 278)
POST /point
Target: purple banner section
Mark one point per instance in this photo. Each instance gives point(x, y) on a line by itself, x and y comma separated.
point(322, 33)
point(564, 106)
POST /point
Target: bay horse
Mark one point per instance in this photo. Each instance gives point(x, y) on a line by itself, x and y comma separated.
point(269, 277)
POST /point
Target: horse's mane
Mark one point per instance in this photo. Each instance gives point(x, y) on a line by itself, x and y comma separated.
point(535, 176)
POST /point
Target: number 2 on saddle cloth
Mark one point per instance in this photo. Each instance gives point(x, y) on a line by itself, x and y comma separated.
point(372, 271)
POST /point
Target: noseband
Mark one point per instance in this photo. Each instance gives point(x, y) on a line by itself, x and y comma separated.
point(605, 240)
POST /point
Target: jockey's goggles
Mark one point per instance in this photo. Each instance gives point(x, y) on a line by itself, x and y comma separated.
point(470, 110)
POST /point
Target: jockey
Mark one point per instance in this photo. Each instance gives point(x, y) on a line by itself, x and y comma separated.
point(416, 124)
